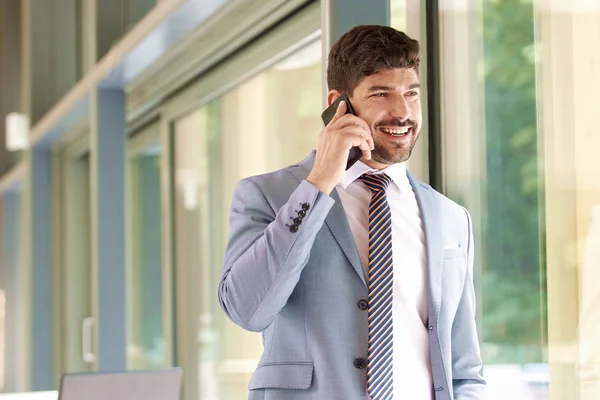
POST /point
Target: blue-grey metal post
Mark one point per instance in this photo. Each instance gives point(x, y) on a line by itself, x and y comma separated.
point(108, 140)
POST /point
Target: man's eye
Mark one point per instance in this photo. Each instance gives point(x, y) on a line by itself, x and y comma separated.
point(412, 94)
point(380, 94)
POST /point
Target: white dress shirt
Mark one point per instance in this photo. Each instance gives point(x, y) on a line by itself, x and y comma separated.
point(412, 366)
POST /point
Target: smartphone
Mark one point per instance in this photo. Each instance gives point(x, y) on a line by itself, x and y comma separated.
point(327, 115)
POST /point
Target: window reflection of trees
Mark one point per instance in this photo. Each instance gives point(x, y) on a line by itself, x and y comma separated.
point(514, 273)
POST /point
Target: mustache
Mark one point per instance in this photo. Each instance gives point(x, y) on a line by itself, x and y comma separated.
point(396, 122)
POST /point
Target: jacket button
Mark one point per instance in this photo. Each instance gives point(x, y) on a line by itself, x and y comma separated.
point(360, 363)
point(305, 206)
point(301, 213)
point(294, 228)
point(297, 220)
point(363, 304)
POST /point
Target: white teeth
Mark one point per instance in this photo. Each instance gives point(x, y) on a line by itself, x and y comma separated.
point(396, 132)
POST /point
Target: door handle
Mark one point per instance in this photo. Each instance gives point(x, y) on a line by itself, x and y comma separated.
point(87, 350)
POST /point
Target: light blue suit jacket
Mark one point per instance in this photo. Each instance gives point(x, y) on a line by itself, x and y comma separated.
point(300, 288)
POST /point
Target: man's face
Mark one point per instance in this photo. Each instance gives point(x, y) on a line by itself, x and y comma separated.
point(390, 102)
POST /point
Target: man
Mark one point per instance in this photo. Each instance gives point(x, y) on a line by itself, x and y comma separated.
point(360, 280)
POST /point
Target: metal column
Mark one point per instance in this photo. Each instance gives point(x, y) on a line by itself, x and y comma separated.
point(39, 266)
point(108, 141)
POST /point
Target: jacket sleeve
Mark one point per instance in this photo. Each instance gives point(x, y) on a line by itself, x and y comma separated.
point(265, 255)
point(467, 381)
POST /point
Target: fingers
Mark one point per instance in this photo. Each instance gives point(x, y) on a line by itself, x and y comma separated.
point(349, 120)
point(339, 112)
point(366, 149)
point(361, 130)
point(355, 137)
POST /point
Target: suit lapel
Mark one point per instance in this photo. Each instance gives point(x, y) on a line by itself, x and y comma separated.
point(340, 228)
point(336, 220)
point(430, 214)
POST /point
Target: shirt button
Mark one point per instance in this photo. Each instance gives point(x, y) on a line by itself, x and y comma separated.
point(430, 327)
point(305, 206)
point(360, 363)
point(439, 389)
point(294, 228)
point(363, 304)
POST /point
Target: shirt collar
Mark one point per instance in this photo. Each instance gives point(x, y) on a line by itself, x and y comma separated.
point(397, 172)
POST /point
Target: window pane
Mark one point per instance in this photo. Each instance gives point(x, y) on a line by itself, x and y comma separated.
point(146, 349)
point(74, 273)
point(520, 152)
point(568, 87)
point(2, 336)
point(268, 122)
point(491, 158)
point(406, 16)
point(14, 367)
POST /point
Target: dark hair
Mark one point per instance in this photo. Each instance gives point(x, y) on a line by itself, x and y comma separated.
point(366, 49)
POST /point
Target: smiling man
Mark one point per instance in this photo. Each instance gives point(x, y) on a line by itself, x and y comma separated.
point(360, 280)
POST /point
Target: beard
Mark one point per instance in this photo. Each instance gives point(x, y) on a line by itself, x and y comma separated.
point(386, 153)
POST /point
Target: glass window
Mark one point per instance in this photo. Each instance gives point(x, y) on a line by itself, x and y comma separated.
point(520, 152)
point(72, 264)
point(146, 344)
point(490, 165)
point(2, 336)
point(406, 16)
point(12, 308)
point(270, 121)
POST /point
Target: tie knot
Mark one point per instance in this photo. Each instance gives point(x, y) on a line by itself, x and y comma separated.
point(377, 183)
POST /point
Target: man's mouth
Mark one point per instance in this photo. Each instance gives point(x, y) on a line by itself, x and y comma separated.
point(399, 131)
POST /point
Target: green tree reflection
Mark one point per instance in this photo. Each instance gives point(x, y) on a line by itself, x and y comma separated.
point(514, 277)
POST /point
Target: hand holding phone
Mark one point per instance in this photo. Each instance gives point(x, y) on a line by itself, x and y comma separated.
point(343, 132)
point(327, 115)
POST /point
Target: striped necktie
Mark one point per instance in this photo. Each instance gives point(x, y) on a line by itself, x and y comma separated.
point(380, 384)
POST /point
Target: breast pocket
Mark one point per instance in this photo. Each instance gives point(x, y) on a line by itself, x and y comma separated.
point(454, 251)
point(455, 266)
point(282, 375)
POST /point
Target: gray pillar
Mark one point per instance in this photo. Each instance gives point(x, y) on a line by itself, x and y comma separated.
point(41, 362)
point(108, 141)
point(338, 16)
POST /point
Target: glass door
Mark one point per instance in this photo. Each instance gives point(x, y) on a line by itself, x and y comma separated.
point(261, 123)
point(75, 325)
point(13, 308)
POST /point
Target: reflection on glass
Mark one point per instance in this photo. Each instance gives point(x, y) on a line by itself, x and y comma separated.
point(146, 348)
point(74, 266)
point(571, 139)
point(518, 133)
point(266, 123)
point(13, 362)
point(491, 158)
point(405, 16)
point(2, 336)
point(398, 14)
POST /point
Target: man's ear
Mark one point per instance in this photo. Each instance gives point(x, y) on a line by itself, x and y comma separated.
point(332, 96)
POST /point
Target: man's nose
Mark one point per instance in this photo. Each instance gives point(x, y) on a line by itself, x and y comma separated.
point(400, 109)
